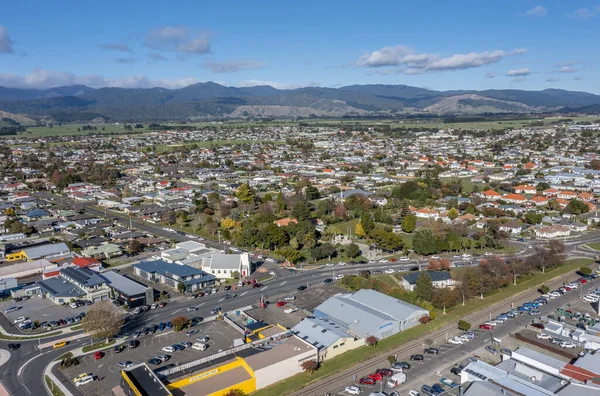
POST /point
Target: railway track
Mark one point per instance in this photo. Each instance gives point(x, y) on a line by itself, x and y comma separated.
point(338, 380)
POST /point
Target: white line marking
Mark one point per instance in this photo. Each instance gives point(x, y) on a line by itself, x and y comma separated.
point(265, 288)
point(283, 283)
point(174, 312)
point(243, 293)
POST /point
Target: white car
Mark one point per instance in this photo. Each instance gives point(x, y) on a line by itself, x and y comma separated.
point(20, 319)
point(455, 341)
point(463, 338)
point(404, 258)
point(567, 344)
point(289, 298)
point(488, 254)
point(338, 277)
point(572, 285)
point(342, 263)
point(389, 271)
point(290, 310)
point(414, 393)
point(543, 336)
point(435, 257)
point(352, 390)
point(168, 349)
point(466, 256)
point(85, 380)
point(590, 299)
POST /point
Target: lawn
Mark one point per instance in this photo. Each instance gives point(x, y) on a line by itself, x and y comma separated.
point(594, 245)
point(98, 345)
point(71, 130)
point(345, 227)
point(361, 354)
point(53, 388)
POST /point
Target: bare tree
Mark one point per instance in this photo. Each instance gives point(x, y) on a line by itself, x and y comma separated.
point(103, 320)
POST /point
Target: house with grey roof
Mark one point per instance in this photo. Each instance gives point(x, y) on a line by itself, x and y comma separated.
point(172, 274)
point(74, 283)
point(368, 312)
point(223, 266)
point(329, 337)
point(439, 279)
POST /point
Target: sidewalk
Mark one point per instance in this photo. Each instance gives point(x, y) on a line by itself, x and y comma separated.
point(48, 372)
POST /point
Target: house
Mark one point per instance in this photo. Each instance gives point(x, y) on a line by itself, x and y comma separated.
point(174, 275)
point(87, 262)
point(378, 201)
point(568, 195)
point(328, 337)
point(550, 192)
point(368, 312)
point(439, 279)
point(104, 251)
point(491, 195)
point(514, 198)
point(511, 228)
point(525, 189)
point(127, 291)
point(554, 231)
point(539, 200)
point(224, 266)
point(585, 196)
point(342, 195)
point(285, 222)
point(427, 214)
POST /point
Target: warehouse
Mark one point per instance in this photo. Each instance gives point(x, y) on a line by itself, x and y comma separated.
point(368, 312)
point(39, 252)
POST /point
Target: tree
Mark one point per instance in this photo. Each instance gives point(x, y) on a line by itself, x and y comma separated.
point(409, 223)
point(301, 211)
point(585, 271)
point(235, 392)
point(289, 254)
point(577, 207)
point(387, 240)
point(311, 192)
point(135, 246)
point(244, 194)
point(365, 274)
point(229, 223)
point(181, 288)
point(533, 218)
point(453, 214)
point(425, 319)
point(281, 202)
point(424, 287)
point(310, 366)
point(352, 250)
point(544, 289)
point(425, 242)
point(359, 230)
point(103, 320)
point(367, 222)
point(464, 325)
point(180, 323)
point(371, 340)
point(235, 275)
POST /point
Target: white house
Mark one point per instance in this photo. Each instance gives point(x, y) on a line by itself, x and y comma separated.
point(439, 279)
point(554, 231)
point(224, 265)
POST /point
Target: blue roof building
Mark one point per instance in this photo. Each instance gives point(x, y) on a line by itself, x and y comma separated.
point(172, 274)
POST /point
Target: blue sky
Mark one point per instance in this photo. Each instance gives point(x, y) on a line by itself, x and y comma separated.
point(437, 44)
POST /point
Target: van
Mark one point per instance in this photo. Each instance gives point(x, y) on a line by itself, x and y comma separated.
point(396, 380)
point(85, 380)
point(199, 346)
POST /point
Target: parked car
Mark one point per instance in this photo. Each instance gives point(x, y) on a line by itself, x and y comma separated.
point(567, 344)
point(98, 355)
point(202, 339)
point(301, 288)
point(367, 381)
point(543, 336)
point(119, 348)
point(416, 357)
point(155, 361)
point(486, 327)
point(168, 349)
point(538, 325)
point(133, 344)
point(290, 310)
point(376, 376)
point(385, 372)
point(492, 350)
point(401, 365)
point(431, 351)
point(455, 370)
point(281, 303)
point(455, 341)
point(85, 380)
point(126, 364)
point(352, 390)
point(191, 332)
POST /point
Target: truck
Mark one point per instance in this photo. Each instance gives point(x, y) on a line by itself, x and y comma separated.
point(396, 380)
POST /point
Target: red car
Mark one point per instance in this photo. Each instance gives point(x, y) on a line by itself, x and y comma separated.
point(385, 372)
point(257, 285)
point(367, 381)
point(486, 327)
point(98, 355)
point(538, 325)
point(376, 377)
point(281, 303)
point(582, 281)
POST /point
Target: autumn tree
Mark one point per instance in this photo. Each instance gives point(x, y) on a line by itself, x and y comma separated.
point(180, 323)
point(359, 230)
point(245, 194)
point(453, 214)
point(409, 223)
point(228, 223)
point(103, 320)
point(310, 366)
point(289, 254)
point(371, 340)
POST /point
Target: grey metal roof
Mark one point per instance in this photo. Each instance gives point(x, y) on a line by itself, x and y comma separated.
point(540, 357)
point(46, 250)
point(436, 276)
point(589, 362)
point(59, 287)
point(84, 276)
point(123, 284)
point(366, 310)
point(320, 332)
point(167, 269)
point(224, 261)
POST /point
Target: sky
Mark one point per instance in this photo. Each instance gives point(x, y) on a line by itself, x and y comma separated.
point(435, 44)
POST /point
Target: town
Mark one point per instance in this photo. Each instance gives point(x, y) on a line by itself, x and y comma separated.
point(229, 259)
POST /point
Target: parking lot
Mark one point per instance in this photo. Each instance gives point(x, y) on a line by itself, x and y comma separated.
point(39, 309)
point(275, 315)
point(107, 372)
point(315, 294)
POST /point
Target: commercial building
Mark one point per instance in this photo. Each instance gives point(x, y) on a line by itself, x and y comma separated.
point(140, 380)
point(173, 275)
point(50, 250)
point(128, 291)
point(223, 266)
point(74, 283)
point(328, 337)
point(368, 312)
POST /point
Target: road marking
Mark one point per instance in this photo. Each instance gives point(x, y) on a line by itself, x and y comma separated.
point(174, 312)
point(265, 288)
point(283, 283)
point(243, 293)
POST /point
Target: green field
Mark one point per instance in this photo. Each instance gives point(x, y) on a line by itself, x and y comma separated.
point(594, 245)
point(71, 130)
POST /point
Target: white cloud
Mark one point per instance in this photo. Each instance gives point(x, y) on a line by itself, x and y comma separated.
point(567, 69)
point(178, 39)
point(40, 78)
point(585, 13)
point(410, 62)
point(518, 72)
point(5, 41)
point(115, 47)
point(537, 11)
point(489, 75)
point(552, 79)
point(254, 83)
point(232, 66)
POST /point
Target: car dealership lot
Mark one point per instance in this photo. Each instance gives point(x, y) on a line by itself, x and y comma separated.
point(220, 334)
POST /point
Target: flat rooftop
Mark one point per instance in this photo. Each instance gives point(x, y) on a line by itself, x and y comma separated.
point(216, 382)
point(146, 382)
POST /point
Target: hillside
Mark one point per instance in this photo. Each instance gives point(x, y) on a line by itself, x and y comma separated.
point(211, 100)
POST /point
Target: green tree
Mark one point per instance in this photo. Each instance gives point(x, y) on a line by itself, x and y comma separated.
point(235, 392)
point(311, 192)
point(533, 218)
point(366, 220)
point(452, 214)
point(181, 288)
point(289, 254)
point(585, 271)
point(281, 202)
point(245, 194)
point(352, 250)
point(577, 207)
point(301, 211)
point(544, 289)
point(425, 242)
point(423, 287)
point(409, 223)
point(387, 240)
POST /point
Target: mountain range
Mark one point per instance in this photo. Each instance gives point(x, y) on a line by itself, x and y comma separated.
point(211, 100)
